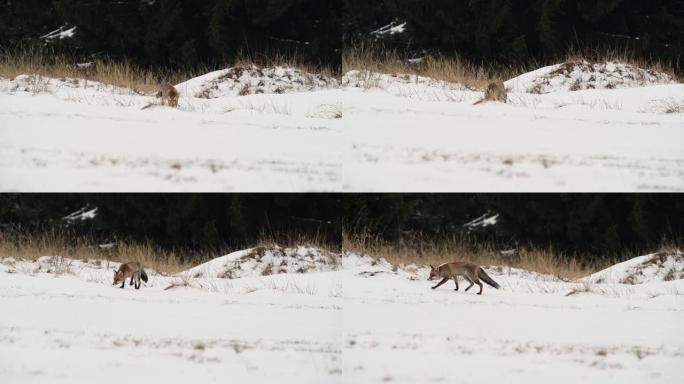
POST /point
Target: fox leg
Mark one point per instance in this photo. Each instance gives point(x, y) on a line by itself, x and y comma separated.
point(444, 280)
point(456, 282)
point(131, 282)
point(137, 283)
point(480, 284)
point(123, 282)
point(471, 283)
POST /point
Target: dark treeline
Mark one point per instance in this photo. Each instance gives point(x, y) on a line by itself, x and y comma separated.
point(509, 32)
point(572, 223)
point(180, 33)
point(186, 221)
point(184, 33)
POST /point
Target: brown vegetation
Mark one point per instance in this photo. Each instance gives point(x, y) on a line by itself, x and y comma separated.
point(437, 252)
point(471, 74)
point(124, 73)
point(57, 243)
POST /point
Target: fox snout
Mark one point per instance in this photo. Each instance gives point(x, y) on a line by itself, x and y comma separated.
point(117, 277)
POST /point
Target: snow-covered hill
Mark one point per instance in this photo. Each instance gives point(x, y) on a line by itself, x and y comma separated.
point(581, 75)
point(603, 127)
point(656, 267)
point(264, 261)
point(245, 80)
point(598, 127)
point(75, 135)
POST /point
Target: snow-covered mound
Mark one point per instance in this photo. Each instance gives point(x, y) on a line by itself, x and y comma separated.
point(656, 267)
point(244, 80)
point(263, 261)
point(581, 75)
point(40, 84)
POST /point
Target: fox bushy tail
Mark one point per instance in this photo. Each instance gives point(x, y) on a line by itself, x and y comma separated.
point(143, 275)
point(485, 277)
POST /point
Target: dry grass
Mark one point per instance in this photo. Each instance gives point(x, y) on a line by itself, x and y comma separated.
point(423, 253)
point(122, 74)
point(57, 243)
point(476, 75)
point(183, 281)
point(669, 105)
point(451, 69)
point(125, 73)
point(622, 56)
point(277, 59)
point(50, 243)
point(295, 240)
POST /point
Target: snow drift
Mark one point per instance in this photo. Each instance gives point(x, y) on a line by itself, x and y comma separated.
point(64, 85)
point(410, 86)
point(264, 261)
point(581, 75)
point(656, 267)
point(244, 80)
point(369, 79)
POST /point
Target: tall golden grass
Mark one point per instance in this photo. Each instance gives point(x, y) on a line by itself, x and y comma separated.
point(542, 260)
point(476, 75)
point(451, 69)
point(56, 243)
point(30, 246)
point(124, 73)
point(119, 73)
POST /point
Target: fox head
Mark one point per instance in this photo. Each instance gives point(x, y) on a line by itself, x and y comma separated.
point(433, 273)
point(118, 277)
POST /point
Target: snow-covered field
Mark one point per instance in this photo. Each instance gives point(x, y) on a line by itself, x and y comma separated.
point(75, 327)
point(556, 133)
point(396, 329)
point(580, 127)
point(353, 321)
point(82, 136)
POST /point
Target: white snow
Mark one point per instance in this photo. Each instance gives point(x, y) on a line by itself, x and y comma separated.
point(406, 85)
point(390, 29)
point(399, 330)
point(361, 321)
point(262, 261)
point(416, 135)
point(71, 325)
point(371, 132)
point(660, 266)
point(483, 221)
point(60, 33)
point(250, 79)
point(66, 135)
point(82, 214)
point(574, 76)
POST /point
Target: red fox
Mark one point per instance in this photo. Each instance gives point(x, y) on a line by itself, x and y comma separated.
point(168, 94)
point(495, 91)
point(472, 272)
point(132, 269)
